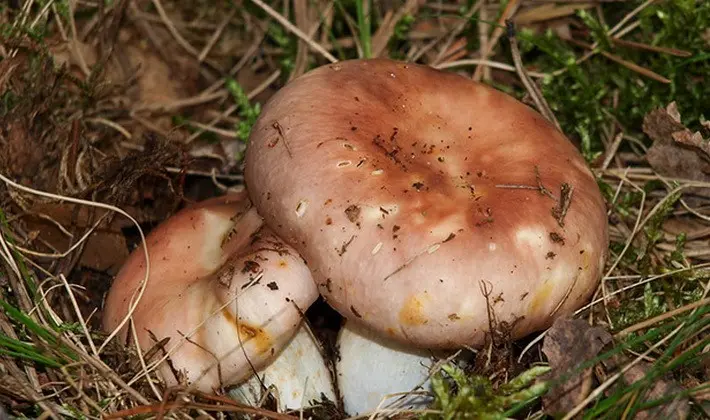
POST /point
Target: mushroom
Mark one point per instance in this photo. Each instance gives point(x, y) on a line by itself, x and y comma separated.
point(427, 204)
point(296, 378)
point(376, 373)
point(226, 293)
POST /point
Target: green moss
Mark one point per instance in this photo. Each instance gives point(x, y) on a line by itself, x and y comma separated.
point(462, 396)
point(583, 96)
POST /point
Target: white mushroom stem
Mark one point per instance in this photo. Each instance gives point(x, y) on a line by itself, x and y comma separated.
point(296, 378)
point(378, 374)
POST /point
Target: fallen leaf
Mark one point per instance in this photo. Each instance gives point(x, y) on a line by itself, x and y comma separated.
point(105, 248)
point(676, 152)
point(567, 345)
point(676, 408)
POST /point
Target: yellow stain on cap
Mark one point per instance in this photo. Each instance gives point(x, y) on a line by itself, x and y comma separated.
point(412, 312)
point(541, 297)
point(249, 334)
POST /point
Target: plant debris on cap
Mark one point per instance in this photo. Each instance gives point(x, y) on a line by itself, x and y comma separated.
point(224, 296)
point(426, 203)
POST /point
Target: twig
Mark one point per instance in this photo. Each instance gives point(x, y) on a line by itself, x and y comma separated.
point(456, 31)
point(530, 86)
point(642, 46)
point(507, 14)
point(488, 63)
point(611, 151)
point(386, 29)
point(293, 29)
point(216, 35)
point(173, 30)
point(670, 314)
point(628, 64)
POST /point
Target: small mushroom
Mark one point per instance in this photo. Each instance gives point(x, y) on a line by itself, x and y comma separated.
point(459, 203)
point(226, 293)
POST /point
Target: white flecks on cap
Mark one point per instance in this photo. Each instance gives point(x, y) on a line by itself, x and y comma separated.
point(377, 248)
point(532, 236)
point(432, 249)
point(301, 208)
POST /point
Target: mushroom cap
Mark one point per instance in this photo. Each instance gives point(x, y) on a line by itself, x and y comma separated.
point(414, 195)
point(227, 293)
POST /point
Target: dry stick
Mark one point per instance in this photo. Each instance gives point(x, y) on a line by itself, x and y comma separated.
point(294, 30)
point(386, 29)
point(628, 64)
point(649, 322)
point(647, 47)
point(611, 151)
point(173, 30)
point(616, 31)
point(215, 36)
point(530, 86)
point(487, 63)
point(483, 29)
point(606, 384)
point(75, 43)
point(180, 103)
point(100, 366)
point(234, 107)
point(457, 30)
point(301, 63)
point(233, 408)
point(508, 13)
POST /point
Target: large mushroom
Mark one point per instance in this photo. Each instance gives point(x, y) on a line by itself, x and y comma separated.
point(425, 203)
point(229, 296)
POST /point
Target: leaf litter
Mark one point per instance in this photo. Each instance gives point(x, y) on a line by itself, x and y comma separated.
point(128, 107)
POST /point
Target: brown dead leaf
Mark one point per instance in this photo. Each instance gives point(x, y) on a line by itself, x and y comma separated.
point(568, 344)
point(676, 151)
point(152, 80)
point(676, 408)
point(106, 247)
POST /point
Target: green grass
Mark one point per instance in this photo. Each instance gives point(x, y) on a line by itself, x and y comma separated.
point(364, 26)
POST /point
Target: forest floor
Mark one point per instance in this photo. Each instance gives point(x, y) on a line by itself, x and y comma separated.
point(120, 108)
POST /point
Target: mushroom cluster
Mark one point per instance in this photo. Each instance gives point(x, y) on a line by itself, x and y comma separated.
point(417, 202)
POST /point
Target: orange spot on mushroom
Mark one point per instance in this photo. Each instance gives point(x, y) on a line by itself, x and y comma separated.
point(541, 298)
point(283, 264)
point(255, 336)
point(412, 313)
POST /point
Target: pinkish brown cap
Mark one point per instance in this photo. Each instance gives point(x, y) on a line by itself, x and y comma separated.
point(409, 191)
point(223, 288)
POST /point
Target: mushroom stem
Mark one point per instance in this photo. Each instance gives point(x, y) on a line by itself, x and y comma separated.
point(296, 378)
point(374, 373)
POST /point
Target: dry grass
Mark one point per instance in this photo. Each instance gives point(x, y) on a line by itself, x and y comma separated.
point(144, 116)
